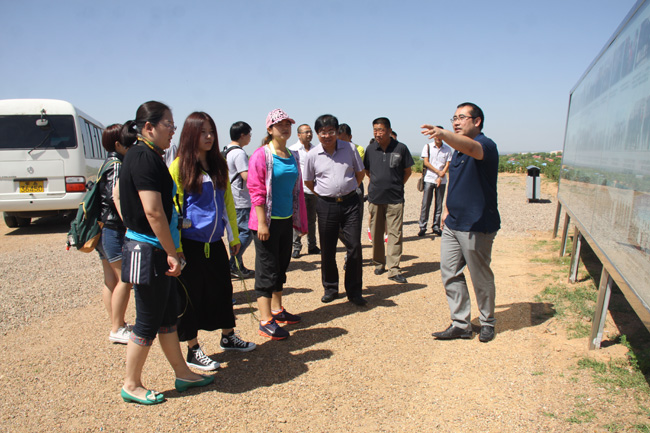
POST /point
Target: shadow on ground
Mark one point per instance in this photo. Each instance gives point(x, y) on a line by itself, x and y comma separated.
point(508, 316)
point(248, 371)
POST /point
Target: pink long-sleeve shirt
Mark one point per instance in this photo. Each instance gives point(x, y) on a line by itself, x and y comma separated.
point(260, 178)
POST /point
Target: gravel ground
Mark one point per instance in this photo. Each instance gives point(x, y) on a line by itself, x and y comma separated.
point(344, 368)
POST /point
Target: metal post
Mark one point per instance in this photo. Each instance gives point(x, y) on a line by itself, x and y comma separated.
point(565, 232)
point(558, 212)
point(575, 255)
point(604, 294)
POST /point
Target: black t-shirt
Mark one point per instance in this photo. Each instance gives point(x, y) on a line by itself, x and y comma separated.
point(143, 170)
point(387, 171)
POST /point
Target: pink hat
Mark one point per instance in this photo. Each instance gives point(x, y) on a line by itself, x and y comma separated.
point(277, 116)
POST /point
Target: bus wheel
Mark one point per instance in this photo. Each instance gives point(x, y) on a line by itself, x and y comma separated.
point(10, 221)
point(23, 222)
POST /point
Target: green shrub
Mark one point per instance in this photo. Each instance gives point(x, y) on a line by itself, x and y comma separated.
point(417, 167)
point(548, 164)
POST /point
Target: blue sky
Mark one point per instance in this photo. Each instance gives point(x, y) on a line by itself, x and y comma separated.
point(411, 61)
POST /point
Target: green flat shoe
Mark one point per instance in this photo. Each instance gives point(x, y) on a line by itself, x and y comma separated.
point(183, 384)
point(151, 397)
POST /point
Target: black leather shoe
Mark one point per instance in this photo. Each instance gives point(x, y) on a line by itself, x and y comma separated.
point(422, 232)
point(437, 232)
point(295, 254)
point(359, 301)
point(452, 333)
point(398, 279)
point(329, 297)
point(487, 334)
point(379, 271)
point(314, 250)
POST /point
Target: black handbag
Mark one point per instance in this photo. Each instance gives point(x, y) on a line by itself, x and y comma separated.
point(137, 262)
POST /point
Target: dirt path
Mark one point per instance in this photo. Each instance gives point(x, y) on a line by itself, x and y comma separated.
point(343, 369)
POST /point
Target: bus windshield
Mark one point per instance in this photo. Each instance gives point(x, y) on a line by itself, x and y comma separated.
point(21, 132)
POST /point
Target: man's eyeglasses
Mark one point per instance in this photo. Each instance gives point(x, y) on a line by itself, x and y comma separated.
point(461, 117)
point(327, 133)
point(305, 132)
point(169, 125)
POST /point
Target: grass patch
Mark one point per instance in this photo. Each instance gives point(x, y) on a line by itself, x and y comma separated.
point(617, 374)
point(613, 427)
point(582, 416)
point(559, 261)
point(574, 304)
point(578, 330)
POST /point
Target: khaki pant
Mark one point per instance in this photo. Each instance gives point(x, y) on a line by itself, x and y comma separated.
point(388, 218)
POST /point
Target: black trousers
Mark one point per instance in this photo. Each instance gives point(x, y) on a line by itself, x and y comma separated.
point(346, 218)
point(272, 258)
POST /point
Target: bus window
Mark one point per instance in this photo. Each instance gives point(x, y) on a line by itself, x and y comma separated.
point(85, 136)
point(21, 132)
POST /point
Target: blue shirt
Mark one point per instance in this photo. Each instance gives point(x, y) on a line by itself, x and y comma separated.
point(285, 175)
point(472, 191)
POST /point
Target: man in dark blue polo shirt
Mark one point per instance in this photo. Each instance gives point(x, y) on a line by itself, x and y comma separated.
point(471, 221)
point(388, 165)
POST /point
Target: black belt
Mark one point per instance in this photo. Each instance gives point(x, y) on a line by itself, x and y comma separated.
point(339, 199)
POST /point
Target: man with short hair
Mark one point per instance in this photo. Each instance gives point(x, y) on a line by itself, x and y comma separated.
point(470, 222)
point(237, 160)
point(333, 171)
point(388, 165)
point(435, 157)
point(303, 146)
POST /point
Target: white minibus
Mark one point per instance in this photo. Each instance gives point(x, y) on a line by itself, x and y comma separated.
point(49, 150)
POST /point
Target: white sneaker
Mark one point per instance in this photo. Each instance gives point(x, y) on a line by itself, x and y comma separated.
point(121, 336)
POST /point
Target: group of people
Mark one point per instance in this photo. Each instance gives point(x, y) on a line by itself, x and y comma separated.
point(163, 226)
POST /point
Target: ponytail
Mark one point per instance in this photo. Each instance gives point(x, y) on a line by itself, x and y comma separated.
point(128, 134)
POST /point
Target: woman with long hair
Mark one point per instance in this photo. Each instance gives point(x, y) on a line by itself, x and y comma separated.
point(146, 193)
point(278, 206)
point(205, 201)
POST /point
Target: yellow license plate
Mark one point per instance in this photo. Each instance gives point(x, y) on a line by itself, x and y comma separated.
point(31, 186)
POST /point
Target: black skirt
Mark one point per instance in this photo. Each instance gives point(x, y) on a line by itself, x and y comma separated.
point(206, 300)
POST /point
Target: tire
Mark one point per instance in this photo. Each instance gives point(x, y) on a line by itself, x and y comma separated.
point(23, 222)
point(10, 221)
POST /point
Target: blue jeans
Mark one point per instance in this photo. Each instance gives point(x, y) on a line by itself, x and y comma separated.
point(112, 242)
point(245, 235)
